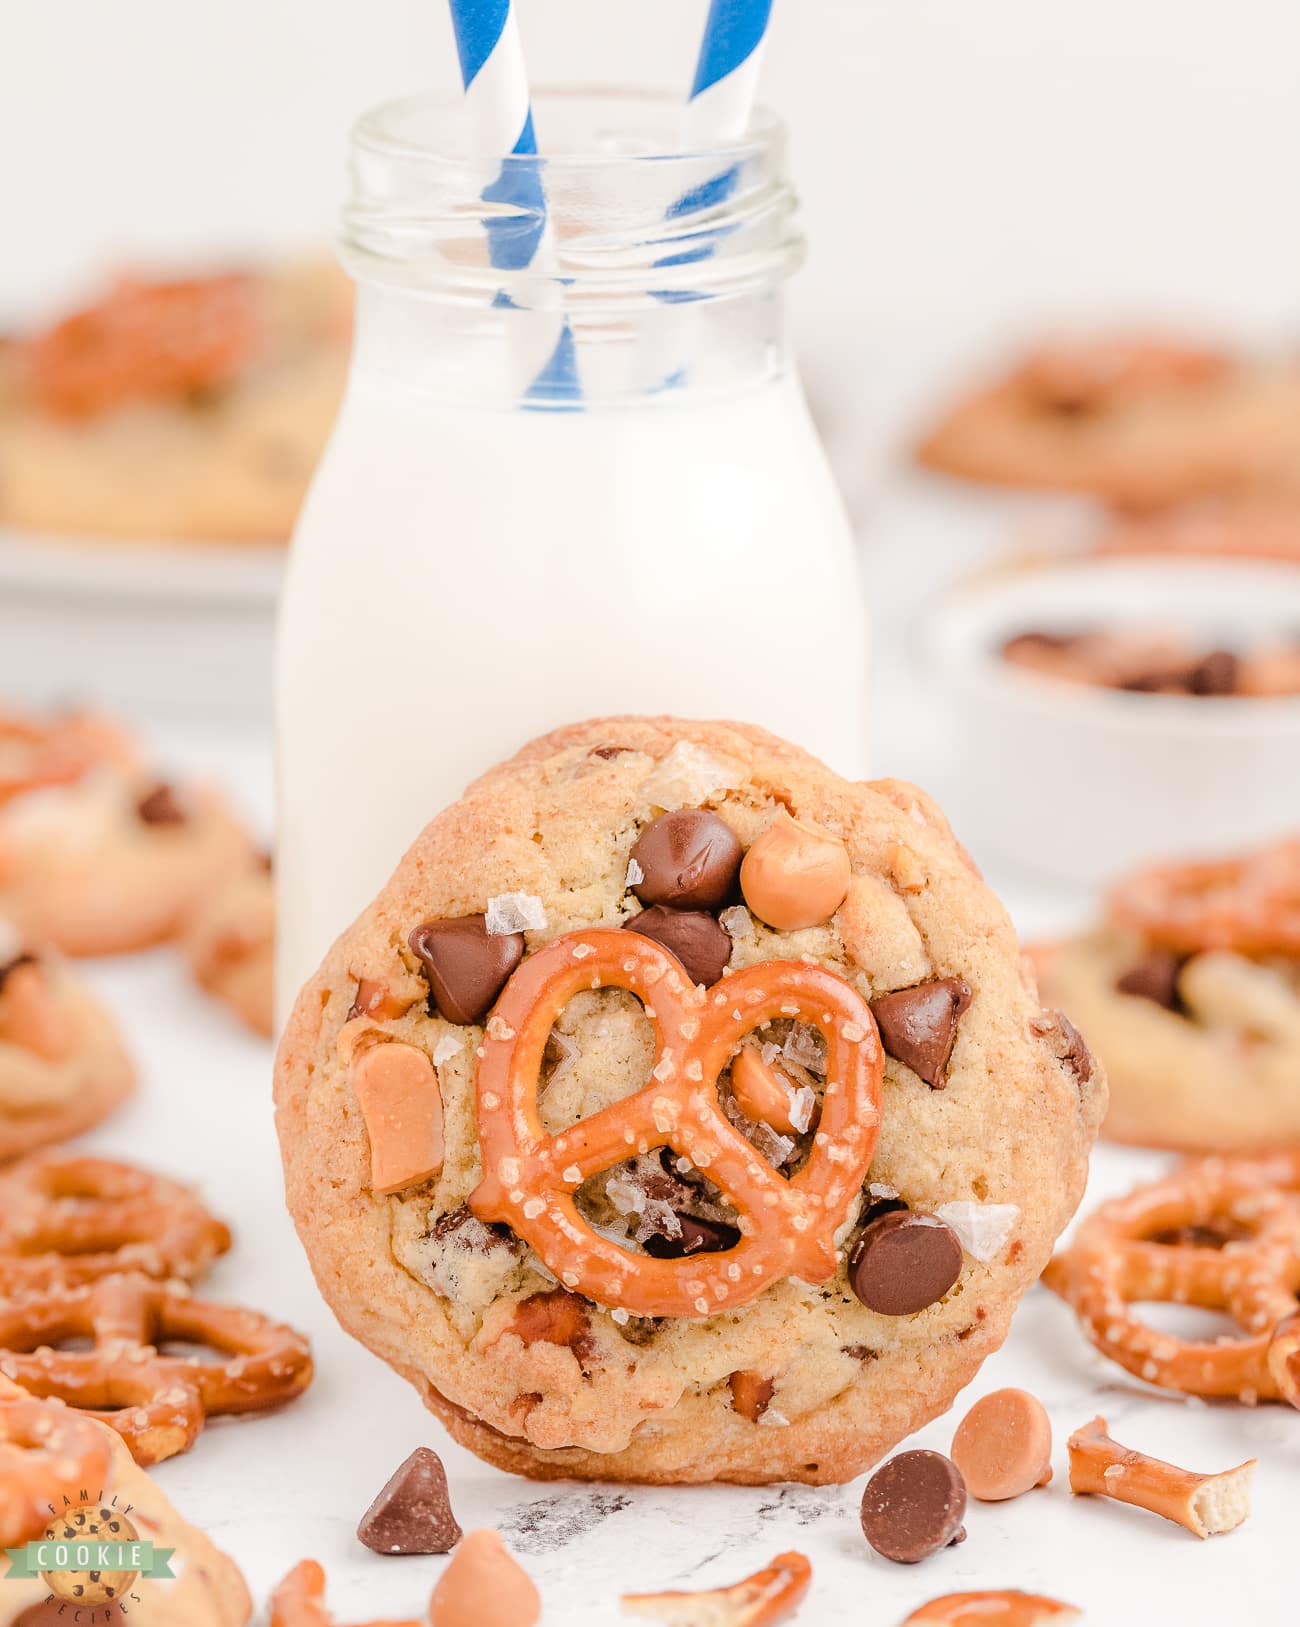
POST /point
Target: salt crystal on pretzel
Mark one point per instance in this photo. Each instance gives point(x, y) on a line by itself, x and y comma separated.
point(787, 1226)
point(1205, 1504)
point(769, 1595)
point(46, 1452)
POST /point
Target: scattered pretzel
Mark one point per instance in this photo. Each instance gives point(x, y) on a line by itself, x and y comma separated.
point(1205, 1504)
point(46, 1452)
point(66, 1221)
point(767, 1596)
point(1085, 374)
point(787, 1226)
point(1250, 904)
point(55, 751)
point(1284, 1359)
point(145, 339)
point(1004, 1608)
point(32, 1017)
point(299, 1601)
point(157, 1402)
point(1222, 1234)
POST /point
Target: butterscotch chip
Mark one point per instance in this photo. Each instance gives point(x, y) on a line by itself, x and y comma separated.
point(1003, 1446)
point(796, 874)
point(484, 1586)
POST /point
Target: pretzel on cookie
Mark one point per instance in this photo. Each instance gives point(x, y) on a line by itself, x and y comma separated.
point(1250, 904)
point(158, 1402)
point(46, 1452)
point(1222, 1234)
point(299, 1600)
point(66, 1220)
point(787, 1226)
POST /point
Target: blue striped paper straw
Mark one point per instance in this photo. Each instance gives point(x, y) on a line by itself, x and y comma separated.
point(500, 109)
point(726, 72)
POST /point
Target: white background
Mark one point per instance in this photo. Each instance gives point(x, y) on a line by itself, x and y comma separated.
point(968, 165)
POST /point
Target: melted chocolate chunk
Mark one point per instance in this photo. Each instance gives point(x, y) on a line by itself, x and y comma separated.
point(1076, 1055)
point(161, 806)
point(698, 1237)
point(918, 1026)
point(689, 860)
point(463, 1228)
point(412, 1514)
point(903, 1262)
point(467, 966)
point(695, 937)
point(1155, 978)
point(1215, 674)
point(913, 1506)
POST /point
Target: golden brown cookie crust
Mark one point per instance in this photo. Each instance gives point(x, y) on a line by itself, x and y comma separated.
point(651, 1401)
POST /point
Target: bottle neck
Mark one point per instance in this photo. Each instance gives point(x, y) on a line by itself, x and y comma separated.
point(663, 353)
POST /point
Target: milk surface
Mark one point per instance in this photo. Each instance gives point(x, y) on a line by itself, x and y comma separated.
point(467, 577)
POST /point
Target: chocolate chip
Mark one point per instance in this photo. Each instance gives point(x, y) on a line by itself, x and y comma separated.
point(463, 1228)
point(1076, 1056)
point(689, 860)
point(161, 806)
point(698, 1237)
point(913, 1506)
point(903, 1262)
point(412, 1514)
point(467, 965)
point(1155, 978)
point(692, 935)
point(1215, 674)
point(608, 753)
point(918, 1026)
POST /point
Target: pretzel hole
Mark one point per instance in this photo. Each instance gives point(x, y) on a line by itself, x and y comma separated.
point(658, 1201)
point(187, 1350)
point(1199, 1324)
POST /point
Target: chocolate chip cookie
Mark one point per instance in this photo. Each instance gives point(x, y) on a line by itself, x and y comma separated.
point(1189, 989)
point(680, 1112)
point(230, 943)
point(62, 1063)
point(1140, 422)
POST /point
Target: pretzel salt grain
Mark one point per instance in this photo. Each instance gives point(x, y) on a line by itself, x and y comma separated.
point(787, 1226)
point(157, 1402)
point(1003, 1608)
point(769, 1595)
point(1205, 1504)
point(46, 1452)
point(1120, 1258)
point(1249, 904)
point(299, 1601)
point(66, 1221)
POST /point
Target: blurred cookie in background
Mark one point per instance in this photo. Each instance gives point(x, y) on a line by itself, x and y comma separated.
point(230, 943)
point(63, 1066)
point(1139, 422)
point(1158, 661)
point(1189, 991)
point(98, 856)
point(176, 410)
point(1229, 528)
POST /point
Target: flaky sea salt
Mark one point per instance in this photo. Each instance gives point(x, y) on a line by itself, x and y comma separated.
point(805, 1046)
point(881, 1191)
point(770, 1418)
point(737, 922)
point(982, 1228)
point(515, 912)
point(803, 1104)
point(635, 873)
point(627, 1197)
point(689, 776)
point(448, 1046)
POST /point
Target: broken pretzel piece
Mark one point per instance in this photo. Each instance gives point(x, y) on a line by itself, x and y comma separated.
point(1206, 1504)
point(1003, 1608)
point(1284, 1359)
point(299, 1601)
point(767, 1596)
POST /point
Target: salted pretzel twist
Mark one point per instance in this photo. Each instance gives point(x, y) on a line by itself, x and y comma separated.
point(157, 1402)
point(46, 1452)
point(1249, 904)
point(787, 1226)
point(66, 1221)
point(1221, 1234)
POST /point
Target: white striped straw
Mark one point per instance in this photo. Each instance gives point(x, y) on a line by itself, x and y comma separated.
point(726, 74)
point(500, 109)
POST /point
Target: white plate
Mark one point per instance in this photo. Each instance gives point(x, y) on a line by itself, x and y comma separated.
point(112, 570)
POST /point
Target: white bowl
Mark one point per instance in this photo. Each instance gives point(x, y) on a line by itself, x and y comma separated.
point(1080, 783)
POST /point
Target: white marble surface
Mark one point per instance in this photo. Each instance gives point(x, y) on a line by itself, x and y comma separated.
point(275, 1490)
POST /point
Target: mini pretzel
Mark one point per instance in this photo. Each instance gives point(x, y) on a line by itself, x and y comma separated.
point(768, 1596)
point(787, 1226)
point(1003, 1608)
point(157, 1402)
point(145, 339)
point(66, 1221)
point(1205, 1504)
point(1118, 1259)
point(1250, 904)
point(299, 1601)
point(46, 1452)
point(57, 751)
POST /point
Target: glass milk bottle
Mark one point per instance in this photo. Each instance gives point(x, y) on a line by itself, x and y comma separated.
point(529, 516)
